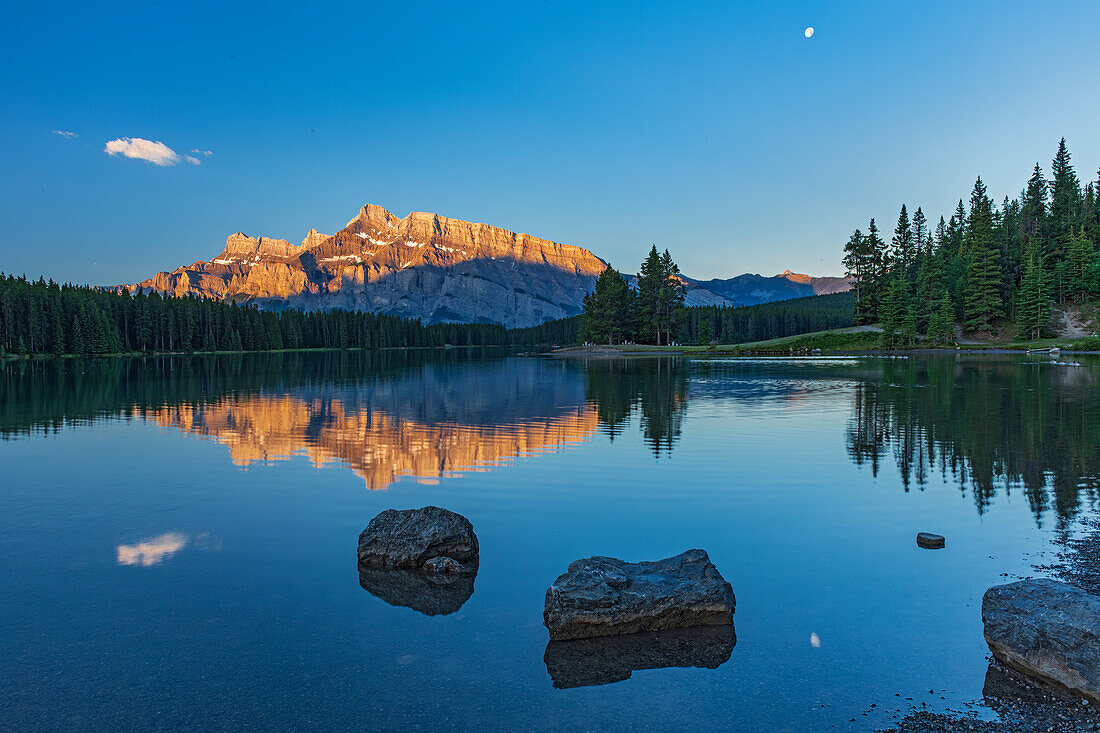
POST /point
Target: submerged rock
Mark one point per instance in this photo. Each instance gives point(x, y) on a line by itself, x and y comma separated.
point(409, 538)
point(430, 594)
point(604, 596)
point(600, 661)
point(1047, 631)
point(930, 541)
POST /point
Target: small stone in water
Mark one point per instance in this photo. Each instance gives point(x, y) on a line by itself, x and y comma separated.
point(930, 541)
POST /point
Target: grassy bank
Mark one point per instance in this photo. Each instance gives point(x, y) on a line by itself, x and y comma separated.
point(835, 341)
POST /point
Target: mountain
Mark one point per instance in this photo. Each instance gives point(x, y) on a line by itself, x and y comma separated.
point(433, 268)
point(751, 289)
point(422, 266)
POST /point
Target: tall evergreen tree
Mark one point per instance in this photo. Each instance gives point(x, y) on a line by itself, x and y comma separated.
point(922, 237)
point(648, 320)
point(1079, 263)
point(1033, 213)
point(1065, 203)
point(1033, 300)
point(941, 325)
point(672, 296)
point(902, 252)
point(858, 266)
point(660, 297)
point(983, 283)
point(878, 259)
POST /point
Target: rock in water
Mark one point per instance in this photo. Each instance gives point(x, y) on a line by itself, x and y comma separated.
point(584, 662)
point(1048, 631)
point(409, 538)
point(930, 541)
point(603, 596)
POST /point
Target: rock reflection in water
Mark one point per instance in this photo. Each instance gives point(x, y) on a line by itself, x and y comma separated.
point(431, 595)
point(607, 659)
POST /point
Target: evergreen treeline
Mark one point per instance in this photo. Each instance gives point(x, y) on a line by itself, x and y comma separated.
point(994, 270)
point(720, 323)
point(739, 324)
point(560, 332)
point(614, 313)
point(39, 317)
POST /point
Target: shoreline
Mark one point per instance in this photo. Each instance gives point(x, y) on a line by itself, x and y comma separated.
point(612, 352)
point(314, 349)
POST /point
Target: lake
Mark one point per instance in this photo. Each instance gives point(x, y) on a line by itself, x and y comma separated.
point(178, 541)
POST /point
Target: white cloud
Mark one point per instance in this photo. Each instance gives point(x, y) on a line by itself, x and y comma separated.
point(192, 161)
point(138, 148)
point(203, 153)
point(152, 551)
point(65, 133)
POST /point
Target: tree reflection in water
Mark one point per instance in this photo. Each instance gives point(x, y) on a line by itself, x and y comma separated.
point(655, 387)
point(993, 425)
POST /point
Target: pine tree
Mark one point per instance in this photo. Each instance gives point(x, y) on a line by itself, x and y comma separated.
point(671, 296)
point(941, 326)
point(922, 238)
point(650, 277)
point(923, 304)
point(1080, 258)
point(1091, 214)
point(898, 320)
point(891, 312)
point(983, 283)
point(1033, 299)
point(879, 263)
point(858, 266)
point(902, 251)
point(608, 308)
point(955, 230)
point(1065, 203)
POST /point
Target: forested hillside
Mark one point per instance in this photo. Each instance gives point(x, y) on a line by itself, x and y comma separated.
point(39, 317)
point(728, 325)
point(995, 271)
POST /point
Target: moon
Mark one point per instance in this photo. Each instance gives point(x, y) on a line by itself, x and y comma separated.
point(809, 31)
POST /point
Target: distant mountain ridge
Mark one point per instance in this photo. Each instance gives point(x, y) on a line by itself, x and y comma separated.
point(436, 269)
point(749, 289)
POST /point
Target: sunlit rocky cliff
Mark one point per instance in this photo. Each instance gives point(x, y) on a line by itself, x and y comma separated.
point(433, 268)
point(422, 266)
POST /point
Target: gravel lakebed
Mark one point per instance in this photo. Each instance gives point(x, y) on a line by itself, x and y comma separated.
point(1019, 705)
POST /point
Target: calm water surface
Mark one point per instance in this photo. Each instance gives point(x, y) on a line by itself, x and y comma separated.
point(178, 534)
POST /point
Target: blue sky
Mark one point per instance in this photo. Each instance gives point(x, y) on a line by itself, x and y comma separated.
point(715, 129)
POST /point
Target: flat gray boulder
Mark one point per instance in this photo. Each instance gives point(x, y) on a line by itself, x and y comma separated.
point(410, 538)
point(1047, 631)
point(603, 596)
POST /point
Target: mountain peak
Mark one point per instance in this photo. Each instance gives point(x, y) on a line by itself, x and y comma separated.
point(423, 266)
point(434, 268)
point(313, 238)
point(796, 277)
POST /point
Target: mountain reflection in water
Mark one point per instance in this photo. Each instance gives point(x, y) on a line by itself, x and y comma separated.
point(989, 424)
